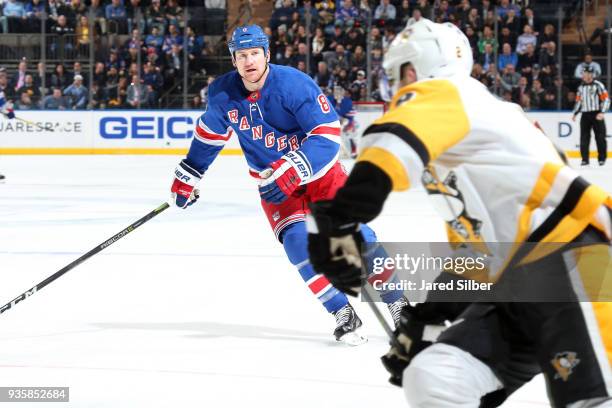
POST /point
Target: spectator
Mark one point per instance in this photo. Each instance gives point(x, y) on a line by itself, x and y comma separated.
point(338, 59)
point(156, 16)
point(504, 7)
point(9, 91)
point(302, 50)
point(525, 102)
point(319, 44)
point(326, 9)
point(59, 78)
point(196, 102)
point(55, 101)
point(196, 49)
point(308, 9)
point(174, 13)
point(487, 38)
point(550, 100)
point(355, 38)
point(527, 61)
point(511, 21)
point(388, 37)
point(116, 16)
point(506, 57)
point(536, 96)
point(520, 90)
point(347, 13)
point(99, 76)
point(117, 92)
point(444, 12)
point(34, 13)
point(385, 13)
point(114, 61)
point(137, 93)
point(359, 83)
point(529, 19)
point(462, 12)
point(282, 15)
point(19, 79)
point(569, 101)
point(474, 19)
point(173, 37)
point(507, 36)
point(548, 35)
point(477, 72)
point(61, 42)
point(548, 61)
point(174, 65)
point(359, 61)
point(588, 62)
point(323, 77)
point(154, 39)
point(24, 102)
point(288, 57)
point(53, 8)
point(528, 37)
point(339, 36)
point(424, 8)
point(30, 88)
point(77, 69)
point(403, 13)
point(487, 57)
point(98, 14)
point(376, 61)
point(135, 16)
point(82, 35)
point(72, 9)
point(510, 78)
point(77, 93)
point(152, 76)
point(376, 38)
point(42, 80)
point(204, 91)
point(14, 15)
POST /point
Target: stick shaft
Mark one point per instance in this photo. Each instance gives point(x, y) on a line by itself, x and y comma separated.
point(83, 258)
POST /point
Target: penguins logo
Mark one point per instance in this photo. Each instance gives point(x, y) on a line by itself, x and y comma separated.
point(564, 364)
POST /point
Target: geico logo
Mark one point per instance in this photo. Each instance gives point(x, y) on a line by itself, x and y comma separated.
point(146, 127)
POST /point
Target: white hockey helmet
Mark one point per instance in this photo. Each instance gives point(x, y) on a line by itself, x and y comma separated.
point(434, 50)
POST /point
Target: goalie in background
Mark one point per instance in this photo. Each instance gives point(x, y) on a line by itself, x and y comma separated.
point(556, 314)
point(343, 104)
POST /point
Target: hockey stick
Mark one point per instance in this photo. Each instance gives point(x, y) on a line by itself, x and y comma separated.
point(27, 122)
point(88, 255)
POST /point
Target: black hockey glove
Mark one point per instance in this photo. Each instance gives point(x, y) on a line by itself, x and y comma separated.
point(334, 245)
point(410, 339)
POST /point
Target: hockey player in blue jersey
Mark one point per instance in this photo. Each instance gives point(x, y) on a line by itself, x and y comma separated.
point(343, 104)
point(7, 110)
point(290, 135)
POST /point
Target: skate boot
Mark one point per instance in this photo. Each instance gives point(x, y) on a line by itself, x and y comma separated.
point(347, 322)
point(395, 309)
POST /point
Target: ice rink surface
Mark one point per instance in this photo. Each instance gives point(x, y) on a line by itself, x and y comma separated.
point(197, 308)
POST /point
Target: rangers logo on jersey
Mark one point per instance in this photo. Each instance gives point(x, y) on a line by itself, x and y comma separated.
point(233, 116)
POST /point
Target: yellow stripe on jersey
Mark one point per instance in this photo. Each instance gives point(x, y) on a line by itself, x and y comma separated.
point(388, 163)
point(433, 111)
point(603, 311)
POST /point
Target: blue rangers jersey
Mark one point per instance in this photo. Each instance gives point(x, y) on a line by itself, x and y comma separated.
point(290, 113)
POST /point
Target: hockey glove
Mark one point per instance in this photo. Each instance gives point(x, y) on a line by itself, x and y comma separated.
point(283, 177)
point(183, 191)
point(10, 114)
point(334, 246)
point(419, 326)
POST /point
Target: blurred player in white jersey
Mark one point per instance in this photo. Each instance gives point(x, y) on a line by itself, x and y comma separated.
point(444, 129)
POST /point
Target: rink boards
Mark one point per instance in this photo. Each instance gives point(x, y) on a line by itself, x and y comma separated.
point(171, 131)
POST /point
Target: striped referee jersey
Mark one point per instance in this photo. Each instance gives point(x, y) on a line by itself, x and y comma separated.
point(591, 97)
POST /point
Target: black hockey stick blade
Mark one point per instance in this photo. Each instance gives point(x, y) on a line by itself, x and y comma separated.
point(83, 258)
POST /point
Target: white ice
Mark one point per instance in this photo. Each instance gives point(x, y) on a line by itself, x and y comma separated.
point(197, 308)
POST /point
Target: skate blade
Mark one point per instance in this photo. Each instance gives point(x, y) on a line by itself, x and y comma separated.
point(353, 339)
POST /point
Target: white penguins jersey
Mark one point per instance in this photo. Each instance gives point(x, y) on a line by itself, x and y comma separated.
point(492, 174)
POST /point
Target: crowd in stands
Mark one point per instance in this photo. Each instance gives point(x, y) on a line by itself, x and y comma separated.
point(155, 35)
point(518, 62)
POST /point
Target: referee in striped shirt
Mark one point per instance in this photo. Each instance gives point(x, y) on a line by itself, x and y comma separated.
point(592, 101)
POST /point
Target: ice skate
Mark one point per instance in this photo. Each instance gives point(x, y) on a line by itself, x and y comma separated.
point(347, 323)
